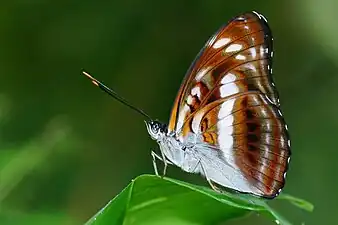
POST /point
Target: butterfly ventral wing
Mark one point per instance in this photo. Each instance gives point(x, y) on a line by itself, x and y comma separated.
point(228, 99)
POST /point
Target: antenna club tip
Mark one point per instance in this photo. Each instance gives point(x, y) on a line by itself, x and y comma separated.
point(87, 74)
point(113, 94)
point(93, 80)
point(95, 83)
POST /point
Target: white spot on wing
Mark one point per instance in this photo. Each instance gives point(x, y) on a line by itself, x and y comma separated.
point(196, 91)
point(225, 128)
point(228, 89)
point(197, 121)
point(226, 141)
point(240, 57)
point(221, 42)
point(190, 100)
point(228, 78)
point(250, 67)
point(253, 52)
point(226, 108)
point(233, 48)
point(181, 116)
point(261, 51)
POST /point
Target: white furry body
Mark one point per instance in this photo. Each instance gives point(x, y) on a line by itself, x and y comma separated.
point(195, 156)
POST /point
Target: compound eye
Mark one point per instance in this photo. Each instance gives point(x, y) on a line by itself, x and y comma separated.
point(155, 128)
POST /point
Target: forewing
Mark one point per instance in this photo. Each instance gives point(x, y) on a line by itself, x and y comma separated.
point(235, 59)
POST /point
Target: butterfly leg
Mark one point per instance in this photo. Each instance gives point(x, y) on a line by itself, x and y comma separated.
point(160, 158)
point(154, 155)
point(197, 164)
point(212, 185)
point(165, 164)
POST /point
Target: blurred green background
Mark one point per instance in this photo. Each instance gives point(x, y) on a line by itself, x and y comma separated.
point(67, 148)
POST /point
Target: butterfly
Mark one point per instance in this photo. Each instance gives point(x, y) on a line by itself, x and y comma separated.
point(226, 123)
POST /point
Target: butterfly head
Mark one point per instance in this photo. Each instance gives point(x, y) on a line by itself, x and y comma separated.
point(156, 129)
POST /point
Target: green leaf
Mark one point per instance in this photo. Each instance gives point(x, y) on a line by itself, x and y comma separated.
point(151, 200)
point(297, 202)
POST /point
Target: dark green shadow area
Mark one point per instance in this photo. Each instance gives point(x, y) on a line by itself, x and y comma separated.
point(150, 200)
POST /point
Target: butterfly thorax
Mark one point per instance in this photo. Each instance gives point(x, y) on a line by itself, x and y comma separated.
point(179, 153)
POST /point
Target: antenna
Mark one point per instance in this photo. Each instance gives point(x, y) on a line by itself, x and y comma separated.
point(114, 94)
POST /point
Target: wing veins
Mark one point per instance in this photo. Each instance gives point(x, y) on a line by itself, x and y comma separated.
point(236, 111)
point(221, 49)
point(193, 113)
